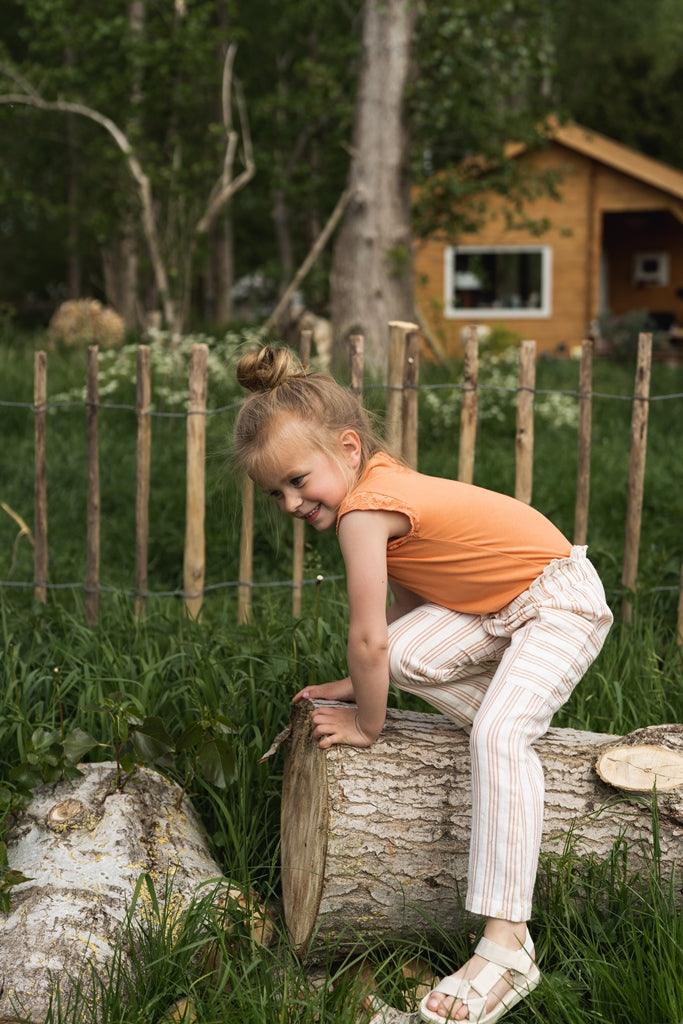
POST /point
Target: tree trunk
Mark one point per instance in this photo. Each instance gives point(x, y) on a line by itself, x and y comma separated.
point(84, 845)
point(283, 237)
point(371, 279)
point(73, 240)
point(223, 266)
point(375, 843)
point(120, 270)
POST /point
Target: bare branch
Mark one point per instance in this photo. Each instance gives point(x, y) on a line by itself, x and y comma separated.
point(225, 189)
point(226, 91)
point(316, 249)
point(11, 72)
point(32, 99)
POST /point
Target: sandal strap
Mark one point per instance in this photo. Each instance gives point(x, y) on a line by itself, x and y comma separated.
point(516, 959)
point(461, 988)
point(452, 986)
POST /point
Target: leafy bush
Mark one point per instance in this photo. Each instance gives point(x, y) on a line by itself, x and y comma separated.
point(621, 332)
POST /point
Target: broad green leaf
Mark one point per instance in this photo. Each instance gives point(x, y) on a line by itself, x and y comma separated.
point(190, 737)
point(154, 727)
point(211, 764)
point(76, 744)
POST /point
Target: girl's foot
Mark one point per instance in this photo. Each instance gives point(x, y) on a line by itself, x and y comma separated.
point(508, 934)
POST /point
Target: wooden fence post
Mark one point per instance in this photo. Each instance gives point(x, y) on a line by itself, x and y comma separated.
point(194, 557)
point(411, 373)
point(356, 360)
point(246, 571)
point(524, 439)
point(40, 490)
point(393, 428)
point(92, 558)
point(636, 470)
point(142, 470)
point(298, 524)
point(468, 411)
point(583, 469)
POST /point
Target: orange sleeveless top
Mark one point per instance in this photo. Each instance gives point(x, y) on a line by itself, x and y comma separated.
point(468, 548)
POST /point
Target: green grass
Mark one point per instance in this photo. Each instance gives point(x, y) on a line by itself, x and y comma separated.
point(610, 943)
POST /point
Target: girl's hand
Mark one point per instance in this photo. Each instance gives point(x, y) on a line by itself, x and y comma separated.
point(339, 725)
point(340, 689)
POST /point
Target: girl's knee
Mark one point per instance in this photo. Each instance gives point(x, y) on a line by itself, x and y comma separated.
point(523, 723)
point(400, 667)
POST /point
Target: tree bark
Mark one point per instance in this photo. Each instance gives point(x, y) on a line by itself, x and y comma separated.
point(283, 236)
point(84, 845)
point(371, 280)
point(73, 240)
point(375, 843)
point(223, 269)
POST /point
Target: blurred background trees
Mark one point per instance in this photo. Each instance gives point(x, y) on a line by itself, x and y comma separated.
point(479, 74)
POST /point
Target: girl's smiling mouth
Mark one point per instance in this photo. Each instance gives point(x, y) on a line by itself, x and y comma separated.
point(313, 514)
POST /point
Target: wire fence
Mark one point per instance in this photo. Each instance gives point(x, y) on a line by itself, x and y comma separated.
point(447, 385)
point(402, 390)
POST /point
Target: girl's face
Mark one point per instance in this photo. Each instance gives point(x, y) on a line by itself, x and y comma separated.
point(309, 483)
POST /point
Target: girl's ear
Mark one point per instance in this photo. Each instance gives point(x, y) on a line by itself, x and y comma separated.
point(351, 447)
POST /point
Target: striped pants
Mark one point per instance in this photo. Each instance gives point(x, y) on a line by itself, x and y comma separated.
point(502, 676)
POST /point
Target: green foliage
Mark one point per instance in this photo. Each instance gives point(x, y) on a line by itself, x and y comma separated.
point(622, 332)
point(8, 879)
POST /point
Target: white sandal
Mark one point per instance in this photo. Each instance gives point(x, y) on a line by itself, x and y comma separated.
point(525, 978)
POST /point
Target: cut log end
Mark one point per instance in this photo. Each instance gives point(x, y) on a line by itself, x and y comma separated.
point(304, 837)
point(638, 768)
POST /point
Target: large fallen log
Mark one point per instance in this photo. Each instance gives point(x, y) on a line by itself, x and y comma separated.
point(84, 845)
point(375, 842)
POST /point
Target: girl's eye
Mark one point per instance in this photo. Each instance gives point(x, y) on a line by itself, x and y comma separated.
point(297, 481)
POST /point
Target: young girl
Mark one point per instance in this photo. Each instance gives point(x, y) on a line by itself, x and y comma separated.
point(495, 619)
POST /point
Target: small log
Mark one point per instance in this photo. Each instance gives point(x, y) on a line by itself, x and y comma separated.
point(524, 438)
point(583, 473)
point(92, 558)
point(142, 469)
point(636, 470)
point(356, 359)
point(84, 845)
point(298, 525)
point(40, 524)
point(411, 373)
point(246, 571)
point(375, 843)
point(194, 557)
point(638, 763)
point(468, 411)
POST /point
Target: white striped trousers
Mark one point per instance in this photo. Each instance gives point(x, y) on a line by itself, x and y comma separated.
point(502, 677)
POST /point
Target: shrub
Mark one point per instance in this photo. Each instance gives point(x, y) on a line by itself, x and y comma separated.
point(81, 322)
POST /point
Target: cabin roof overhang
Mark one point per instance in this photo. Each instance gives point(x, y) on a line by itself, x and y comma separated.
point(613, 154)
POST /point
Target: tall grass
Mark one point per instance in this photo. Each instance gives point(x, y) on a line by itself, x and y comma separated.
point(610, 942)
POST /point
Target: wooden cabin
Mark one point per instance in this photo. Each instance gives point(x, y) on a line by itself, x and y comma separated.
point(614, 244)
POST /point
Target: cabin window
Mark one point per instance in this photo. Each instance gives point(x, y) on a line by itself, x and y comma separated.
point(498, 281)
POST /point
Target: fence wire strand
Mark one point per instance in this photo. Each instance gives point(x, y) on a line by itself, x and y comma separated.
point(106, 588)
point(449, 385)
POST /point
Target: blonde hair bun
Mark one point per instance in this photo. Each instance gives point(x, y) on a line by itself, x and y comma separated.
point(265, 369)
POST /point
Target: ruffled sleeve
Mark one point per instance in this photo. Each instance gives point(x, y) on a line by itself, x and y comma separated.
point(373, 501)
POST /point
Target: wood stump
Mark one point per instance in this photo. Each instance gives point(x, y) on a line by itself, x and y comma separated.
point(84, 846)
point(375, 842)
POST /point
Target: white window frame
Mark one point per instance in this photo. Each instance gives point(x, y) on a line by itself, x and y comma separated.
point(483, 313)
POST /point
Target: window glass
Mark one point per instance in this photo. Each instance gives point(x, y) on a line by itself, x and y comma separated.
point(498, 280)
